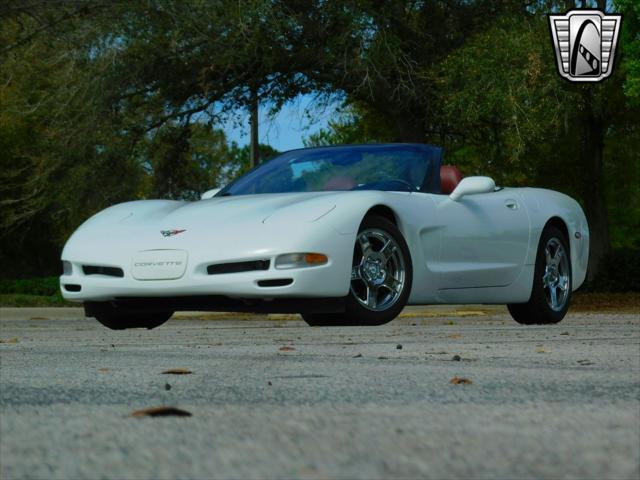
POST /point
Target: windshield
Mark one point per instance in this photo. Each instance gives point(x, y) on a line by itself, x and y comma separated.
point(363, 167)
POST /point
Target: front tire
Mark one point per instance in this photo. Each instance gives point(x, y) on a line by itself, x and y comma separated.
point(381, 277)
point(117, 319)
point(551, 292)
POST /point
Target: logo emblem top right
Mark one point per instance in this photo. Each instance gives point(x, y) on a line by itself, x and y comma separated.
point(585, 44)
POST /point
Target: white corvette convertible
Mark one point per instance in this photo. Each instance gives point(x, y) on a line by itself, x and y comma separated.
point(343, 235)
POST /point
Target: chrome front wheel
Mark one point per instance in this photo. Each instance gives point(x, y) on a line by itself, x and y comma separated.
point(381, 277)
point(378, 274)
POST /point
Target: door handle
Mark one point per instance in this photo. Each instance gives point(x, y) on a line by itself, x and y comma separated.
point(511, 204)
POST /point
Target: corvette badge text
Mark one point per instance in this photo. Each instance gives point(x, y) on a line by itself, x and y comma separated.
point(157, 264)
point(585, 44)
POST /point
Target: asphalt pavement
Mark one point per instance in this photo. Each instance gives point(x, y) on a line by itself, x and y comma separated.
point(274, 398)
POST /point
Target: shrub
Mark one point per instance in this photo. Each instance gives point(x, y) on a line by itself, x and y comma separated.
point(619, 272)
point(45, 286)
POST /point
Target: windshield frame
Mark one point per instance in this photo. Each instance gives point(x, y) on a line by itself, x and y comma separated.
point(430, 182)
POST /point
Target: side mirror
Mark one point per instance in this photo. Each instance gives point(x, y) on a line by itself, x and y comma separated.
point(209, 193)
point(472, 185)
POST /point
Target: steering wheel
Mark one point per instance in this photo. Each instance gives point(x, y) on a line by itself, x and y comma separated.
point(410, 186)
point(386, 181)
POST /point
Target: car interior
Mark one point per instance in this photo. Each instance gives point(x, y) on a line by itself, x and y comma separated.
point(450, 177)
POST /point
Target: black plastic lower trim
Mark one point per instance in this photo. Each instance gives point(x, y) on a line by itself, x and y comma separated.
point(219, 303)
point(102, 270)
point(238, 267)
point(275, 282)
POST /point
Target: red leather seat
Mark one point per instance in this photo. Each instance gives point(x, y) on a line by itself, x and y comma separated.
point(450, 177)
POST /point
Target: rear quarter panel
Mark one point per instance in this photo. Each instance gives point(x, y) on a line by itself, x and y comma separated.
point(544, 205)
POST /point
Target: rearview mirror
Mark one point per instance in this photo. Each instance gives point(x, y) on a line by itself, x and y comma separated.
point(472, 185)
point(209, 193)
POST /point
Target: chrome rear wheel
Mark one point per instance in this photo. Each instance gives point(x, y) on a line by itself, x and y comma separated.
point(551, 289)
point(555, 279)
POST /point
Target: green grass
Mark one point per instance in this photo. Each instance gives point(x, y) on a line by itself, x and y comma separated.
point(45, 286)
point(32, 292)
point(25, 300)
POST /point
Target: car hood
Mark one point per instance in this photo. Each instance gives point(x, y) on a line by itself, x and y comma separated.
point(253, 208)
point(300, 206)
point(219, 211)
point(161, 224)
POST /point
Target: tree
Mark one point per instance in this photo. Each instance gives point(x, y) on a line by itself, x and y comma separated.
point(183, 161)
point(59, 160)
point(630, 48)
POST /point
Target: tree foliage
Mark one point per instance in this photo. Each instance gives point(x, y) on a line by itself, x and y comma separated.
point(631, 48)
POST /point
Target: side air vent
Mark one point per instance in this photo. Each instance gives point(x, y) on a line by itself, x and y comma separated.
point(276, 282)
point(71, 287)
point(101, 270)
point(237, 267)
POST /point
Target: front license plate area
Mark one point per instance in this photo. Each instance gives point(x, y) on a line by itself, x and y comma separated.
point(159, 264)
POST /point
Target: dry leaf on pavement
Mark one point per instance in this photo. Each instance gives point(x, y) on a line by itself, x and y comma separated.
point(460, 380)
point(161, 412)
point(177, 371)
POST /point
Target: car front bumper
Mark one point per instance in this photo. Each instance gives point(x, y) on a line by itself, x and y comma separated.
point(328, 280)
point(194, 277)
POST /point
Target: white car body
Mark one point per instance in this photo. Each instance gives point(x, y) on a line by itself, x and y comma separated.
point(480, 248)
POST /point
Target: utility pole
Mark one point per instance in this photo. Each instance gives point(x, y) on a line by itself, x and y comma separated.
point(253, 120)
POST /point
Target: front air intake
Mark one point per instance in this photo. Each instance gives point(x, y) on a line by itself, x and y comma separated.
point(102, 270)
point(237, 267)
point(276, 282)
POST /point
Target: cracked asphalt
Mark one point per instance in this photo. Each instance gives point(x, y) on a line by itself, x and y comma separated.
point(277, 399)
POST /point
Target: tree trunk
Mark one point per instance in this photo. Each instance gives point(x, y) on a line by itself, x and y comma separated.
point(253, 120)
point(594, 193)
point(592, 146)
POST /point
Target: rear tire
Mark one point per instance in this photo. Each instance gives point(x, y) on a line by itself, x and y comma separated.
point(552, 282)
point(112, 317)
point(381, 264)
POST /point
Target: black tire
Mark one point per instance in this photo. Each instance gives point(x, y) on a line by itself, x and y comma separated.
point(355, 313)
point(538, 310)
point(112, 317)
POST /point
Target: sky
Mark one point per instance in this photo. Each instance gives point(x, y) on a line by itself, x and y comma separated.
point(286, 129)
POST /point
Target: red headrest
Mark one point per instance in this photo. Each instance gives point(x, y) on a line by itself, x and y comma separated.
point(450, 176)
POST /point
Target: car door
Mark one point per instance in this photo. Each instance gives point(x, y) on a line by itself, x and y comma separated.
point(483, 239)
